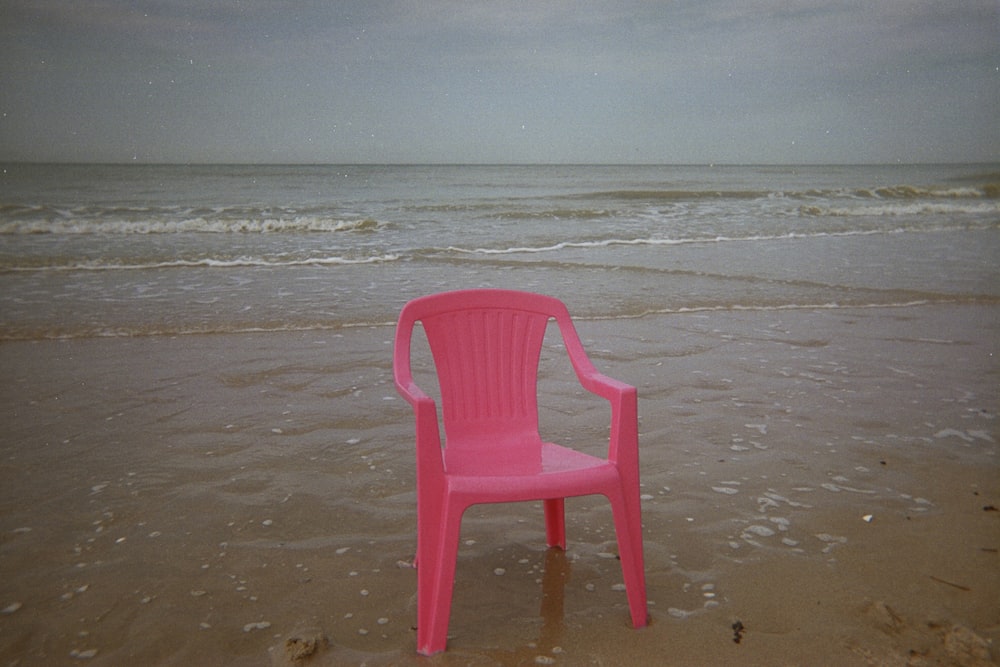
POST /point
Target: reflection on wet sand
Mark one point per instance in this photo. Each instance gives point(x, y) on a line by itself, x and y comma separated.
point(543, 650)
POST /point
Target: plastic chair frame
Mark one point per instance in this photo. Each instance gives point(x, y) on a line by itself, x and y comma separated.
point(493, 452)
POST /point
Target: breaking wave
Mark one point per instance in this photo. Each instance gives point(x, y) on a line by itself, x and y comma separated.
point(907, 208)
point(207, 263)
point(602, 243)
point(15, 219)
point(910, 192)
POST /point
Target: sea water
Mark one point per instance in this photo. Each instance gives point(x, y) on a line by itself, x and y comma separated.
point(127, 250)
point(173, 497)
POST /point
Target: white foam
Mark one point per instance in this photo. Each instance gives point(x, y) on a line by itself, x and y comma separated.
point(908, 209)
point(967, 436)
point(259, 625)
point(761, 531)
point(78, 222)
point(210, 263)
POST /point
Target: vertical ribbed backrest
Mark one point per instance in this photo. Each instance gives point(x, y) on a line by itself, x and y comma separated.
point(487, 366)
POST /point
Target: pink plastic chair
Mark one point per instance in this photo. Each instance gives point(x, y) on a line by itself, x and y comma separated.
point(486, 346)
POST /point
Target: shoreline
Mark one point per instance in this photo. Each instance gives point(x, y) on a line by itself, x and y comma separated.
point(248, 498)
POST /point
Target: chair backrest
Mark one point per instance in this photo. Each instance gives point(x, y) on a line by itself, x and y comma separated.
point(486, 346)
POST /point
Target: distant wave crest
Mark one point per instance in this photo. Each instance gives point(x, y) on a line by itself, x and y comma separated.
point(911, 208)
point(673, 195)
point(598, 243)
point(909, 192)
point(989, 191)
point(207, 262)
point(45, 220)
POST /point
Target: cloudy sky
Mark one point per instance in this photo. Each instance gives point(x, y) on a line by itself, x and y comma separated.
point(668, 81)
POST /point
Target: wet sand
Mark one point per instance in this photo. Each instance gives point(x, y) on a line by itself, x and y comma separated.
point(821, 485)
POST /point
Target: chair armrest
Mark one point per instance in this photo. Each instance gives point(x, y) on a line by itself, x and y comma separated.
point(412, 393)
point(602, 385)
point(623, 442)
point(430, 459)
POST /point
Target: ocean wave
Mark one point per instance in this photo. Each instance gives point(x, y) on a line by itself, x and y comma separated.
point(566, 244)
point(143, 221)
point(514, 209)
point(899, 209)
point(829, 305)
point(600, 243)
point(555, 214)
point(673, 195)
point(207, 263)
point(149, 331)
point(70, 332)
point(989, 190)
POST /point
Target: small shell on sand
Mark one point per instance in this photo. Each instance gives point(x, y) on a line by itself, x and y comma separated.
point(259, 625)
point(85, 654)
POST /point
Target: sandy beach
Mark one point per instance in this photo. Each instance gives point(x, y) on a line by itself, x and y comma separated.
point(821, 487)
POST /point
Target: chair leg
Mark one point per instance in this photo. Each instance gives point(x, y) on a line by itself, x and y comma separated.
point(436, 581)
point(428, 541)
point(555, 522)
point(628, 529)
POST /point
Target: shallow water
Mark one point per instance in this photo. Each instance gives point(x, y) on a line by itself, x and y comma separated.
point(181, 499)
point(139, 250)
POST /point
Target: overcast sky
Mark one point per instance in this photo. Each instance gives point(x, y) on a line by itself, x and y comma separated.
point(683, 81)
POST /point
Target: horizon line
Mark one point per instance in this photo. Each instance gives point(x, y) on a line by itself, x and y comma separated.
point(70, 163)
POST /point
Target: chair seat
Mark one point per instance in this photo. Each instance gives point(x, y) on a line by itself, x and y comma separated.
point(546, 459)
point(553, 471)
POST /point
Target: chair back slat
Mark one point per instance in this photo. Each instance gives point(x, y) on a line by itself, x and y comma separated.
point(487, 365)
